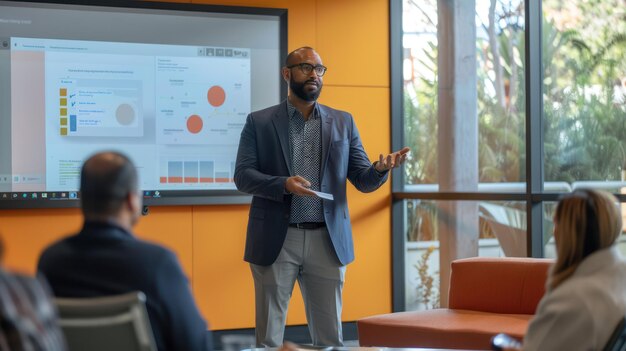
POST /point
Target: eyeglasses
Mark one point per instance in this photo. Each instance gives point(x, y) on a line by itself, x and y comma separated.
point(307, 68)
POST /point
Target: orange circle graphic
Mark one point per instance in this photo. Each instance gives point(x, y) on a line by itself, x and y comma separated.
point(194, 124)
point(216, 96)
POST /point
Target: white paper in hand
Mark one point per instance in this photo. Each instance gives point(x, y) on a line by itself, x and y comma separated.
point(326, 196)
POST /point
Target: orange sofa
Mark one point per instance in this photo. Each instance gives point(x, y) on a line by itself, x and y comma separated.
point(487, 296)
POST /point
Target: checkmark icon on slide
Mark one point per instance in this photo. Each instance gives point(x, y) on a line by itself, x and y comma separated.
point(73, 103)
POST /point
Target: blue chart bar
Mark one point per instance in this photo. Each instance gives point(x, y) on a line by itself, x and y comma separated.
point(222, 177)
point(191, 171)
point(174, 172)
point(72, 123)
point(206, 172)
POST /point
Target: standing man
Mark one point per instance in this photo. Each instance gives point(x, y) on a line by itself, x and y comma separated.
point(287, 152)
point(105, 258)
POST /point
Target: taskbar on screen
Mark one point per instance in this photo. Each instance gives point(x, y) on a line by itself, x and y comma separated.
point(68, 199)
point(39, 195)
point(75, 195)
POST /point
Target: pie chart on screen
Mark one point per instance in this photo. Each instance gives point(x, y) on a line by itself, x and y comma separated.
point(194, 124)
point(125, 114)
point(216, 96)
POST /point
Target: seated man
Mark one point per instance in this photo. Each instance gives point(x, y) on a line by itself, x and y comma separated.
point(105, 258)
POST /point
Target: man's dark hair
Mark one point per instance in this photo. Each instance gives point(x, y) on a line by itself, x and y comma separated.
point(289, 59)
point(106, 179)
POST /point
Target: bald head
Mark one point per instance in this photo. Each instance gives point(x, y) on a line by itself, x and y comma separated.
point(295, 56)
point(106, 181)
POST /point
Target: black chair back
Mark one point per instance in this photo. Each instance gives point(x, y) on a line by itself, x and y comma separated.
point(617, 341)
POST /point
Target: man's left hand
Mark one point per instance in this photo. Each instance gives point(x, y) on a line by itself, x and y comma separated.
point(393, 160)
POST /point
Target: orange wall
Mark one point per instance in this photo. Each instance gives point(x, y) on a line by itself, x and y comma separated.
point(351, 36)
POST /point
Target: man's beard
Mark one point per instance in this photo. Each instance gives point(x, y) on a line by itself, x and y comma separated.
point(298, 89)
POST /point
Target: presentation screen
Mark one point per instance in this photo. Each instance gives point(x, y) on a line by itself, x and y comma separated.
point(168, 85)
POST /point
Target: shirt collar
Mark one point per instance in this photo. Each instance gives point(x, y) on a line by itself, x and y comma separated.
point(292, 111)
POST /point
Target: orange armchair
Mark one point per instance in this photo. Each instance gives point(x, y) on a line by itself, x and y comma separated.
point(487, 296)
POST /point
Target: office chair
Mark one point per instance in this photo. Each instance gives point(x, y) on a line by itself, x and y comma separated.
point(106, 323)
point(617, 341)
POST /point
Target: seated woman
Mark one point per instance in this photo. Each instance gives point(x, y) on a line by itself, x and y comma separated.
point(586, 290)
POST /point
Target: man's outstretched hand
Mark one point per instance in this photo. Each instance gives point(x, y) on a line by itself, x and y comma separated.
point(393, 160)
point(299, 186)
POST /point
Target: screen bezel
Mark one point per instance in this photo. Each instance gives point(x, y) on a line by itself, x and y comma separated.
point(166, 197)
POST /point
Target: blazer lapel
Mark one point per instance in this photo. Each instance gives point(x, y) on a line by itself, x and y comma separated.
point(327, 122)
point(281, 124)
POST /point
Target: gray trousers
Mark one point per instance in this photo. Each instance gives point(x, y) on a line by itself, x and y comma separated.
point(308, 257)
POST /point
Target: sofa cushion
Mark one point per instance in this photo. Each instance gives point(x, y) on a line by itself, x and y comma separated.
point(498, 285)
point(440, 328)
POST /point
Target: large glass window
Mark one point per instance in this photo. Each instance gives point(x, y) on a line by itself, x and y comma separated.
point(492, 153)
point(460, 101)
point(584, 91)
point(501, 228)
point(499, 90)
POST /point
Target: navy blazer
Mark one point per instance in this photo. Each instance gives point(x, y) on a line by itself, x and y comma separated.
point(264, 164)
point(104, 259)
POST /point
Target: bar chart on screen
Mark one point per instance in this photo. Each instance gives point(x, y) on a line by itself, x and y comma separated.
point(186, 173)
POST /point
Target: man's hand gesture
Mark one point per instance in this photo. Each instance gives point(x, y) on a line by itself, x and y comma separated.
point(393, 160)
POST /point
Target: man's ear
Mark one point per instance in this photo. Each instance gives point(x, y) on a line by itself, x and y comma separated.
point(132, 201)
point(286, 72)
